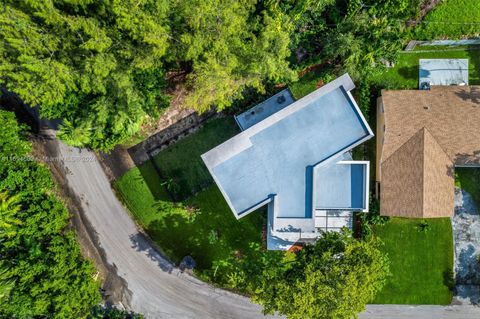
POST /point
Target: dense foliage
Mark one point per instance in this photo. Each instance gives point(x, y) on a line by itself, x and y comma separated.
point(100, 312)
point(42, 273)
point(231, 45)
point(100, 65)
point(94, 64)
point(356, 36)
point(333, 278)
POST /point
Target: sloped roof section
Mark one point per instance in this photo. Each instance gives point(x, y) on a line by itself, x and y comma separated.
point(438, 179)
point(450, 113)
point(417, 180)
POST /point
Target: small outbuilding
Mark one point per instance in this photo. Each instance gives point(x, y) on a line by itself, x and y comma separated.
point(442, 72)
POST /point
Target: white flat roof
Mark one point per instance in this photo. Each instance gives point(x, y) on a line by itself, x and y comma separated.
point(443, 71)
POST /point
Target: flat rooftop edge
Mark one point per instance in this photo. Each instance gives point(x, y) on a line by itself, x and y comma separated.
point(264, 109)
point(241, 141)
point(219, 159)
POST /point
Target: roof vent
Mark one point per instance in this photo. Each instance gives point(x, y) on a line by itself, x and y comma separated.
point(281, 99)
point(426, 107)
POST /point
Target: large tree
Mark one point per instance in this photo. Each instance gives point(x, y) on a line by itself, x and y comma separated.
point(95, 64)
point(42, 273)
point(99, 65)
point(332, 279)
point(230, 45)
point(368, 33)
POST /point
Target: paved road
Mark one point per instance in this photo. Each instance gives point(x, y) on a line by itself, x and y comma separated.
point(420, 312)
point(156, 289)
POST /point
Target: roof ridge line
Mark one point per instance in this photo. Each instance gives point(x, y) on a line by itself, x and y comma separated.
point(401, 146)
point(424, 166)
point(436, 141)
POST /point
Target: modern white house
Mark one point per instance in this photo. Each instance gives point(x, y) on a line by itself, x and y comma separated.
point(297, 161)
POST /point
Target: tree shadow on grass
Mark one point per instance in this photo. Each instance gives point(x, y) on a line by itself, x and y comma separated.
point(180, 238)
point(409, 72)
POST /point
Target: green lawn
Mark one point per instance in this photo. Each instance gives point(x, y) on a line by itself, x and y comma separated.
point(468, 179)
point(452, 19)
point(206, 229)
point(212, 235)
point(140, 189)
point(421, 262)
point(405, 73)
point(182, 163)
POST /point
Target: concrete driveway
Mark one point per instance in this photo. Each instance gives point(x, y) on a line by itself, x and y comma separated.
point(466, 234)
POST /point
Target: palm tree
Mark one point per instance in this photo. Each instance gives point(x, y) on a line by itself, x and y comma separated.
point(9, 207)
point(6, 283)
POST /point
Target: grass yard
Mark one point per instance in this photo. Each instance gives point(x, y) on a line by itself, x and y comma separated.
point(405, 73)
point(452, 19)
point(213, 234)
point(181, 162)
point(140, 189)
point(204, 227)
point(468, 179)
point(421, 262)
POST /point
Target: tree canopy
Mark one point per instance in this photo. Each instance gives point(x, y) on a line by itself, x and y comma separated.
point(100, 65)
point(334, 278)
point(42, 272)
point(231, 45)
point(369, 33)
point(96, 65)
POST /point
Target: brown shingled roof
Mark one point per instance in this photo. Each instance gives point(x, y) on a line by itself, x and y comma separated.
point(415, 182)
point(426, 134)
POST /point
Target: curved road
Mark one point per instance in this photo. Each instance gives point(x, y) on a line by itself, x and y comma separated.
point(155, 287)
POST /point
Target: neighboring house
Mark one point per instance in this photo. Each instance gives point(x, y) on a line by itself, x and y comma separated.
point(422, 135)
point(297, 162)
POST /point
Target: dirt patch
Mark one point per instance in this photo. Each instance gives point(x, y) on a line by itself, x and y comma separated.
point(116, 163)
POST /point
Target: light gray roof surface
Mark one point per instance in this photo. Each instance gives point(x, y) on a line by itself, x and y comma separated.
point(341, 185)
point(263, 110)
point(443, 71)
point(275, 156)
